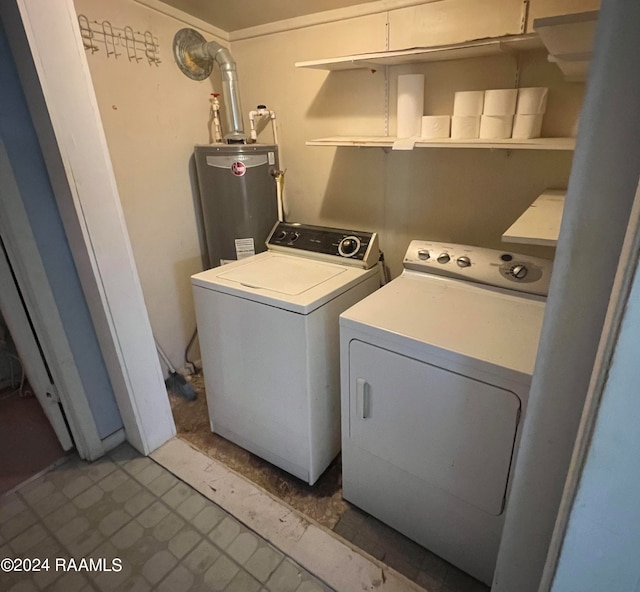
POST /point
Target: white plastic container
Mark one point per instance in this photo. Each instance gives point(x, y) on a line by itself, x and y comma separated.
point(410, 105)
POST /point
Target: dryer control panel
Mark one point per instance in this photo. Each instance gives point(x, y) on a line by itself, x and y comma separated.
point(350, 247)
point(503, 269)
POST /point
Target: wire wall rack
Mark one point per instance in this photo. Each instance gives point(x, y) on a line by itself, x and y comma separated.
point(118, 42)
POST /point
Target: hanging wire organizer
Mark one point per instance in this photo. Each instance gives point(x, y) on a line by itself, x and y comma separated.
point(119, 41)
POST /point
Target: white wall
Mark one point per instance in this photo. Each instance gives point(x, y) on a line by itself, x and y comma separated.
point(419, 194)
point(152, 117)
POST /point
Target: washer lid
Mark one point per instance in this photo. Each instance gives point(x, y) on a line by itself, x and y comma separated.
point(290, 282)
point(282, 275)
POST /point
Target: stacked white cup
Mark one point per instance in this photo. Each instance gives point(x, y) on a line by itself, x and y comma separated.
point(497, 115)
point(467, 110)
point(532, 104)
point(435, 127)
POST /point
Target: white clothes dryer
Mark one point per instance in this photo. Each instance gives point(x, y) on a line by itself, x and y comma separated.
point(269, 336)
point(436, 368)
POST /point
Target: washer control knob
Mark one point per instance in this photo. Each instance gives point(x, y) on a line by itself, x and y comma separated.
point(281, 235)
point(294, 236)
point(444, 258)
point(349, 246)
point(463, 261)
point(423, 255)
point(519, 271)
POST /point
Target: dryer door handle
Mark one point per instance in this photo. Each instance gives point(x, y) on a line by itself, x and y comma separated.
point(363, 398)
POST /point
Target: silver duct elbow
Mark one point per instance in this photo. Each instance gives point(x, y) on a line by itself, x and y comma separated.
point(195, 58)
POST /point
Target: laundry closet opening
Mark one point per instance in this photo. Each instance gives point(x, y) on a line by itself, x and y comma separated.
point(159, 122)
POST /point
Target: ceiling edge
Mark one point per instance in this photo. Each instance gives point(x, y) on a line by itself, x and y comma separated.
point(186, 18)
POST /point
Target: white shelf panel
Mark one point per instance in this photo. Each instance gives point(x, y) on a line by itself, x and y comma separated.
point(566, 144)
point(455, 51)
point(540, 223)
point(569, 41)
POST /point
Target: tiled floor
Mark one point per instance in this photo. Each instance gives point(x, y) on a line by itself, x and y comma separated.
point(167, 536)
point(343, 565)
point(322, 502)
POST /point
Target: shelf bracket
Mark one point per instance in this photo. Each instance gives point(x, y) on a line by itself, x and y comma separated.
point(508, 49)
point(516, 83)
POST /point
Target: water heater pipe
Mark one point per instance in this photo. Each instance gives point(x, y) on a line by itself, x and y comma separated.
point(221, 55)
point(195, 58)
point(278, 175)
point(215, 118)
point(261, 112)
point(279, 194)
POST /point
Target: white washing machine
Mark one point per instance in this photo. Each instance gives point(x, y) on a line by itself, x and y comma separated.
point(269, 337)
point(436, 368)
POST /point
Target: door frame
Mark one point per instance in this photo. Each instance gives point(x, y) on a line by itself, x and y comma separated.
point(35, 368)
point(50, 58)
point(24, 261)
point(626, 272)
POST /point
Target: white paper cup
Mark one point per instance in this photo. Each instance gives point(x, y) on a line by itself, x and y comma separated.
point(532, 100)
point(496, 127)
point(468, 102)
point(464, 127)
point(500, 101)
point(435, 127)
point(526, 126)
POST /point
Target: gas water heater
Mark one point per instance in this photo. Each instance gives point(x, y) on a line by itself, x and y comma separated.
point(238, 197)
point(237, 180)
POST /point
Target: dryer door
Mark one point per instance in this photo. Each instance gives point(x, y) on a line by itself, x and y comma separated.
point(451, 431)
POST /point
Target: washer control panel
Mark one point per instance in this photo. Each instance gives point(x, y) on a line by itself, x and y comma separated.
point(351, 247)
point(503, 269)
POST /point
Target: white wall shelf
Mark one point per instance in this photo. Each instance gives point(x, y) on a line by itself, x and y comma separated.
point(569, 41)
point(540, 223)
point(454, 51)
point(566, 144)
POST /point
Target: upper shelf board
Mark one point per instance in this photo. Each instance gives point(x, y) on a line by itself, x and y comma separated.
point(438, 53)
point(508, 144)
point(569, 41)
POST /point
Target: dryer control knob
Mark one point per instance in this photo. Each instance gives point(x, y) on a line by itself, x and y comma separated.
point(423, 254)
point(349, 246)
point(444, 258)
point(294, 236)
point(463, 261)
point(519, 272)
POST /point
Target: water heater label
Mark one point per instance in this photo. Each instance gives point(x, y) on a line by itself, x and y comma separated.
point(244, 248)
point(238, 168)
point(272, 158)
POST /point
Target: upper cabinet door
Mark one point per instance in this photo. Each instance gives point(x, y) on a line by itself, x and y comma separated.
point(454, 21)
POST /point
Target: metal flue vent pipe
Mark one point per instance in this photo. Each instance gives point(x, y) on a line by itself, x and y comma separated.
point(195, 57)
